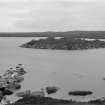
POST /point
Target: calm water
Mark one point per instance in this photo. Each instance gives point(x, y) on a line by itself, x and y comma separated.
point(69, 70)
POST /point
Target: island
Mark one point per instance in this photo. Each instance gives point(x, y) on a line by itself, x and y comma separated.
point(64, 43)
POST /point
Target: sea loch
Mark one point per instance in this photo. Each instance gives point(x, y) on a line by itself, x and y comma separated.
point(68, 70)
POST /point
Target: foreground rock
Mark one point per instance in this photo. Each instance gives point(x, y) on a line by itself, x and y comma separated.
point(64, 44)
point(50, 101)
point(10, 82)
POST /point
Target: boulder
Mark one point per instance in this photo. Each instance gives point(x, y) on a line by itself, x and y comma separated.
point(51, 90)
point(80, 93)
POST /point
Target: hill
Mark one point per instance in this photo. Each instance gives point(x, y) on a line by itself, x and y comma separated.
point(71, 34)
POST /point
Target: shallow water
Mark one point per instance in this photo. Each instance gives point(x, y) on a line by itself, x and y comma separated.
point(69, 70)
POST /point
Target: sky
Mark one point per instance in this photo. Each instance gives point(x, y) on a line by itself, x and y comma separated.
point(51, 15)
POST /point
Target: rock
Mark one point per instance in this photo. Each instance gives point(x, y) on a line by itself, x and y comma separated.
point(24, 93)
point(80, 93)
point(14, 87)
point(7, 92)
point(51, 90)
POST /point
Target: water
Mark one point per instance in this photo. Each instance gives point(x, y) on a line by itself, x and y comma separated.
point(69, 70)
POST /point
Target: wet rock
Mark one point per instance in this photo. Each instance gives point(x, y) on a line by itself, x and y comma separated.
point(80, 93)
point(23, 93)
point(14, 87)
point(51, 90)
point(7, 92)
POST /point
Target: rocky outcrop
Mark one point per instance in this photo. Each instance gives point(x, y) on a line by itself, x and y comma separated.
point(64, 44)
point(50, 101)
point(80, 93)
point(51, 90)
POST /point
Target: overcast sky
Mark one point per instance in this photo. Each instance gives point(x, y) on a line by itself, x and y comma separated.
point(51, 15)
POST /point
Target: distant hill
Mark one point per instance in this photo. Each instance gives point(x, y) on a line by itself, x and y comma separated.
point(70, 34)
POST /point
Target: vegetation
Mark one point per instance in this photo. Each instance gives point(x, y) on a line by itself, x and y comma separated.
point(64, 43)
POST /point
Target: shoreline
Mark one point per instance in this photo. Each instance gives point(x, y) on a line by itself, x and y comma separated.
point(29, 100)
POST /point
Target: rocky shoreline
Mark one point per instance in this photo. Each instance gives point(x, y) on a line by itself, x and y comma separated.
point(64, 44)
point(51, 101)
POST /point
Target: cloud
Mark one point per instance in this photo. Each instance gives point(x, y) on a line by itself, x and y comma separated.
point(13, 1)
point(63, 16)
point(83, 0)
point(52, 15)
point(48, 16)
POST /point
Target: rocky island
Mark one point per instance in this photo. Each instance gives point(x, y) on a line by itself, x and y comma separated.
point(64, 43)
